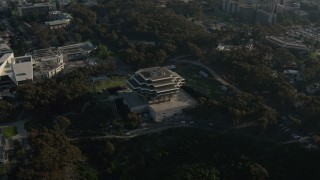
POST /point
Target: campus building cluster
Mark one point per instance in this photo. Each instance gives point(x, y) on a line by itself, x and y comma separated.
point(51, 10)
point(39, 64)
point(157, 91)
point(264, 12)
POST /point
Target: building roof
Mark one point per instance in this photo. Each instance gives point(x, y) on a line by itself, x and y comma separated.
point(155, 73)
point(76, 48)
point(22, 68)
point(58, 22)
point(4, 48)
point(287, 44)
point(45, 53)
point(5, 57)
point(180, 100)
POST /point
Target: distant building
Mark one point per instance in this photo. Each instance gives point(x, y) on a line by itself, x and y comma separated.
point(58, 19)
point(283, 8)
point(293, 75)
point(3, 153)
point(39, 9)
point(49, 69)
point(76, 52)
point(286, 44)
point(5, 7)
point(247, 13)
point(230, 6)
point(58, 24)
point(313, 88)
point(265, 18)
point(47, 62)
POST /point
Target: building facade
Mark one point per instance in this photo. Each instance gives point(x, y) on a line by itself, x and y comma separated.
point(160, 89)
point(76, 52)
point(156, 83)
point(39, 9)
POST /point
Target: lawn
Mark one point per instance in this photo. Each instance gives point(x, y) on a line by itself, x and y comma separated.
point(313, 55)
point(9, 131)
point(196, 81)
point(112, 82)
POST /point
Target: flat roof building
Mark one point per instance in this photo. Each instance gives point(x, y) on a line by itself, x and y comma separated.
point(287, 44)
point(47, 62)
point(58, 24)
point(179, 101)
point(15, 70)
point(38, 9)
point(76, 52)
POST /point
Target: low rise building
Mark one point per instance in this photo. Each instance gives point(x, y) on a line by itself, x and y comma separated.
point(48, 69)
point(15, 70)
point(313, 88)
point(293, 75)
point(265, 17)
point(58, 20)
point(58, 24)
point(247, 13)
point(179, 101)
point(47, 62)
point(287, 44)
point(39, 9)
point(76, 52)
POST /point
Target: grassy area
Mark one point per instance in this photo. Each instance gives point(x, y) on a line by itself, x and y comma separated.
point(112, 82)
point(196, 81)
point(9, 131)
point(313, 55)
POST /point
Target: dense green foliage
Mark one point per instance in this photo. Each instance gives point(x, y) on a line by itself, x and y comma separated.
point(193, 154)
point(52, 157)
point(141, 36)
point(54, 96)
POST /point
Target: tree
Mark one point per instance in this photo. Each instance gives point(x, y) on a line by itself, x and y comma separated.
point(52, 157)
point(103, 52)
point(197, 171)
point(255, 171)
point(109, 148)
point(134, 120)
point(7, 109)
point(63, 122)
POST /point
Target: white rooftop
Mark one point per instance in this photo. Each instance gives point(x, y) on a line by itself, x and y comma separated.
point(23, 70)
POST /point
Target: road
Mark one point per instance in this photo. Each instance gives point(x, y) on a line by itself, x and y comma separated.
point(211, 71)
point(146, 129)
point(178, 123)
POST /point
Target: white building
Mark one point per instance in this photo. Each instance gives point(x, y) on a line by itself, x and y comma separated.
point(15, 71)
point(47, 62)
point(180, 101)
